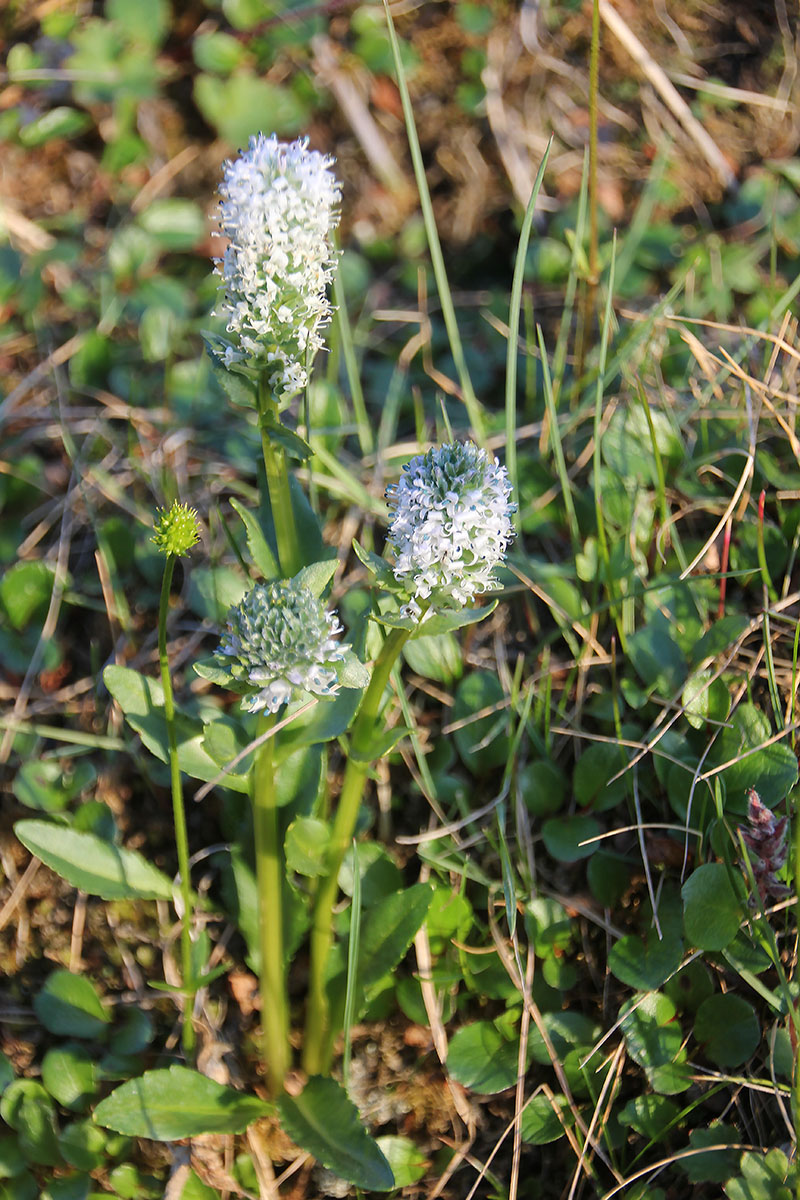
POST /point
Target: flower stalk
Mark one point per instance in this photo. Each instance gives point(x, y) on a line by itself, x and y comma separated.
point(269, 876)
point(451, 527)
point(175, 533)
point(280, 495)
point(318, 1040)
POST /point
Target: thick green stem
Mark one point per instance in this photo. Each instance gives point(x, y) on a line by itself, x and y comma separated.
point(317, 1044)
point(179, 814)
point(269, 875)
point(280, 496)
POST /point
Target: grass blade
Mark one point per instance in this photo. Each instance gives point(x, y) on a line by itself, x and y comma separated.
point(513, 325)
point(471, 402)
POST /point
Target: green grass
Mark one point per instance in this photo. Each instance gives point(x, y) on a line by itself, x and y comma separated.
point(598, 977)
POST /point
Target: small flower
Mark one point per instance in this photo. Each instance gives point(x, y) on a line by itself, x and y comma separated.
point(280, 640)
point(280, 204)
point(176, 529)
point(766, 841)
point(451, 524)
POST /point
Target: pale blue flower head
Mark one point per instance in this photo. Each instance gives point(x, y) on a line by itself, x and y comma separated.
point(280, 640)
point(451, 525)
point(279, 207)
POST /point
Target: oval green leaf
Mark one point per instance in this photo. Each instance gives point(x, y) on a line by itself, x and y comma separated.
point(711, 909)
point(727, 1028)
point(69, 1005)
point(95, 866)
point(482, 1059)
point(177, 1103)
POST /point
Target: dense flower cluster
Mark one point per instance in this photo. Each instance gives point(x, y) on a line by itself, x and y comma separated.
point(279, 640)
point(451, 524)
point(280, 204)
point(175, 530)
point(766, 840)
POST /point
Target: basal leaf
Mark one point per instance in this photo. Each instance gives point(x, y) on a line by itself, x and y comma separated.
point(95, 866)
point(324, 1121)
point(168, 1105)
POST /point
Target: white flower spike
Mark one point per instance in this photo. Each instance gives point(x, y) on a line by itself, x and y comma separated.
point(280, 640)
point(451, 524)
point(279, 207)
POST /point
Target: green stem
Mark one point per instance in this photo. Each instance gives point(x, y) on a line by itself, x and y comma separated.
point(280, 496)
point(593, 277)
point(269, 875)
point(317, 1044)
point(179, 815)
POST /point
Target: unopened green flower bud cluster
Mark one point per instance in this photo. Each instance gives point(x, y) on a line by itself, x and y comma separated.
point(280, 640)
point(176, 529)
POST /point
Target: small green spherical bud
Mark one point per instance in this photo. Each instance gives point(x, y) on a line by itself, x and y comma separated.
point(176, 529)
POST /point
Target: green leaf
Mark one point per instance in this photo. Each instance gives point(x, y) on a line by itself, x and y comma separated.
point(718, 638)
point(649, 1115)
point(142, 701)
point(408, 1164)
point(45, 785)
point(92, 864)
point(482, 741)
point(705, 699)
point(541, 1122)
point(645, 965)
point(657, 658)
point(59, 122)
point(480, 1058)
point(376, 565)
point(307, 841)
point(763, 1177)
point(712, 911)
point(28, 1109)
point(217, 52)
point(652, 1035)
point(6, 1072)
point(323, 1121)
point(261, 554)
point(316, 576)
point(70, 1075)
point(174, 223)
point(69, 1005)
point(177, 1103)
point(25, 591)
point(388, 929)
point(435, 657)
point(771, 770)
point(328, 719)
point(727, 1028)
point(717, 1165)
point(142, 21)
point(12, 1161)
point(38, 785)
point(445, 622)
point(239, 389)
point(351, 672)
point(563, 837)
point(597, 766)
point(380, 744)
point(83, 1145)
point(290, 442)
point(243, 104)
point(195, 1189)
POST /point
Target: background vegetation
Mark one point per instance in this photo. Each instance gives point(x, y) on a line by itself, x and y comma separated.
point(601, 1001)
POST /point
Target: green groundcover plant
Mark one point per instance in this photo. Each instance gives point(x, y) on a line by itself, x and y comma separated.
point(604, 916)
